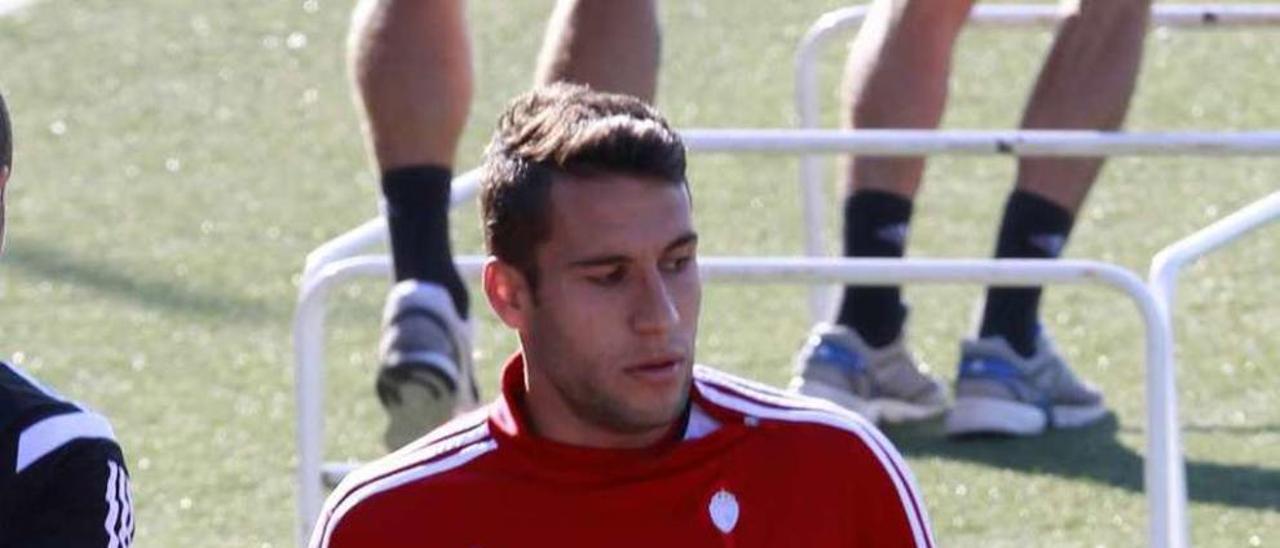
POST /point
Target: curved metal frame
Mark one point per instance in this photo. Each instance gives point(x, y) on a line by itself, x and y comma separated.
point(1160, 473)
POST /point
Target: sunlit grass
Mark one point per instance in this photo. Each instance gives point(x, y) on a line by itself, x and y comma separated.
point(177, 159)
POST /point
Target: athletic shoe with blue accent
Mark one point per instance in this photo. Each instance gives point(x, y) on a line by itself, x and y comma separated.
point(1000, 392)
point(878, 383)
point(425, 353)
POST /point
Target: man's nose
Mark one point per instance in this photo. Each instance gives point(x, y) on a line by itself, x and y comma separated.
point(654, 310)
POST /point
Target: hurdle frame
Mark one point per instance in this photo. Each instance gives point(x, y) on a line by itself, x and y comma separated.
point(1161, 471)
point(1163, 468)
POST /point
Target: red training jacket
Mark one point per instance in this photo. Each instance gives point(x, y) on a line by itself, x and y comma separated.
point(754, 467)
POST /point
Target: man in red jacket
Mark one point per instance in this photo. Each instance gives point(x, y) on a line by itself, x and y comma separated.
point(606, 433)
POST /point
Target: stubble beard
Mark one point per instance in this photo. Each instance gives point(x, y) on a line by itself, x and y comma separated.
point(615, 414)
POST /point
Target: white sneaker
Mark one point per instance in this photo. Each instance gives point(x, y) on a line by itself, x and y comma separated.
point(1000, 392)
point(426, 371)
point(877, 383)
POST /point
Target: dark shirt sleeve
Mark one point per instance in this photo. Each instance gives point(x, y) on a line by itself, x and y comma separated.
point(78, 496)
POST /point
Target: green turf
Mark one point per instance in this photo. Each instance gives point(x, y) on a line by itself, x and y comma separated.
point(177, 159)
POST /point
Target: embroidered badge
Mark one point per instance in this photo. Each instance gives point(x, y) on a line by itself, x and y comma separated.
point(724, 511)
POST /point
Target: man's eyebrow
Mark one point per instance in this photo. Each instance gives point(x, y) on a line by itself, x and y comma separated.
point(688, 238)
point(683, 240)
point(603, 260)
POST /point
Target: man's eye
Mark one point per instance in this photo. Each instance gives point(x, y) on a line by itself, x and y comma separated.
point(677, 264)
point(607, 277)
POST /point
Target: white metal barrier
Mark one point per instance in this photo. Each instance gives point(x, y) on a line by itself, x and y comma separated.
point(1168, 263)
point(1165, 491)
point(882, 142)
point(1162, 281)
point(1162, 467)
point(841, 22)
point(465, 187)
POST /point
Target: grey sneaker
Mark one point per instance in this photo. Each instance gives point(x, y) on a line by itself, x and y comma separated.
point(1000, 392)
point(426, 373)
point(877, 383)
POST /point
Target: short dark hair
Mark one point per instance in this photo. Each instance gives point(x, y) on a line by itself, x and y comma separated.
point(565, 129)
point(6, 136)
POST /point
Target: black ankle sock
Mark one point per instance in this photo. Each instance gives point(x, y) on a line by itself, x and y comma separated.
point(875, 225)
point(418, 220)
point(1032, 228)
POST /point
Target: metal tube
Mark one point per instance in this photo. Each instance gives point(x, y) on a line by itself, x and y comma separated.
point(352, 242)
point(915, 142)
point(345, 245)
point(1169, 262)
point(883, 143)
point(308, 344)
point(1163, 464)
point(1163, 280)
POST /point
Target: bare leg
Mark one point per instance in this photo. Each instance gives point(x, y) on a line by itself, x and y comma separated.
point(611, 45)
point(1086, 83)
point(896, 77)
point(411, 62)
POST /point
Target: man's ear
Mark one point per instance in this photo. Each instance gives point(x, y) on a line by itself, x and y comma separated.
point(508, 293)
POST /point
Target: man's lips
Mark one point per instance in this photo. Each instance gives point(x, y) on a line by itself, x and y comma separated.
point(659, 368)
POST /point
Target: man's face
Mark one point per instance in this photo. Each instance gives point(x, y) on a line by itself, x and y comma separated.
point(612, 327)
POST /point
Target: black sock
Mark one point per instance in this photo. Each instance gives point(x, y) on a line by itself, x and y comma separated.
point(875, 225)
point(1032, 228)
point(418, 219)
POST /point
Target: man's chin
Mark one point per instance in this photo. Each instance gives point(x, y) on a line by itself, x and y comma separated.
point(657, 415)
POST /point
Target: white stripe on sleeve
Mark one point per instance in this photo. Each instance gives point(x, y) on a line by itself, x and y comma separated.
point(48, 435)
point(113, 505)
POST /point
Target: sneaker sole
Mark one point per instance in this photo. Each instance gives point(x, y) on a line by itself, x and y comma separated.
point(1077, 416)
point(419, 410)
point(995, 416)
point(839, 396)
point(430, 300)
point(898, 411)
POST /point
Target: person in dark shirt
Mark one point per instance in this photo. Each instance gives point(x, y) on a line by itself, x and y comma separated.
point(63, 481)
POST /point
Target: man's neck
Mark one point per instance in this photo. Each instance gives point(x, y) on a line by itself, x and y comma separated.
point(564, 426)
point(550, 418)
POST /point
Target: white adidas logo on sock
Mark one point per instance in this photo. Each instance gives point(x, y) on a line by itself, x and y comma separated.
point(895, 233)
point(1051, 244)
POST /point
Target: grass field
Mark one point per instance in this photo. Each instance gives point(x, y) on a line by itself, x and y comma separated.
point(177, 159)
